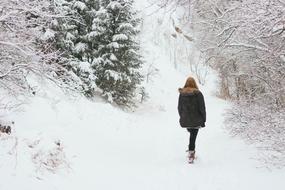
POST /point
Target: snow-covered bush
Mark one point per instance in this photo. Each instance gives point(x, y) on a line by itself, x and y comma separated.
point(254, 123)
point(25, 48)
point(48, 157)
point(34, 156)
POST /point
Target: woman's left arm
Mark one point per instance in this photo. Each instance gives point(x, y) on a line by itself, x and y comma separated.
point(202, 108)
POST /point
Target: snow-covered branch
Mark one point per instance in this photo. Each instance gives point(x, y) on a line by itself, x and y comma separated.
point(16, 46)
point(23, 29)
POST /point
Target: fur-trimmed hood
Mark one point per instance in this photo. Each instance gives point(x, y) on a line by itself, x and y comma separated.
point(187, 90)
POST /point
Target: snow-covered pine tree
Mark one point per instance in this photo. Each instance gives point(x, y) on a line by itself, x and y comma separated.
point(73, 38)
point(118, 61)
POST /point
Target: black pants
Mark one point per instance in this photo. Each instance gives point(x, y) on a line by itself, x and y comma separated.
point(192, 139)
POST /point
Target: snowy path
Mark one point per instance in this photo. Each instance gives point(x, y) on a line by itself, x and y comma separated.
point(147, 151)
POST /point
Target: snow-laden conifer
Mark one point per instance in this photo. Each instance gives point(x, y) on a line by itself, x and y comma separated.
point(99, 41)
point(115, 29)
point(74, 38)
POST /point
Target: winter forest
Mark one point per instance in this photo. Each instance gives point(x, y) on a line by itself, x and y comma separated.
point(89, 94)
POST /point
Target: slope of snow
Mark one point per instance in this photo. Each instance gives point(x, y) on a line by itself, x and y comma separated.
point(106, 148)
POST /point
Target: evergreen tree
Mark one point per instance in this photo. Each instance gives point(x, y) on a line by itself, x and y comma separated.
point(99, 41)
point(73, 38)
point(118, 60)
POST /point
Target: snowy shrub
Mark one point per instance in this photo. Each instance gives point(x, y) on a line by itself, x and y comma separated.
point(26, 46)
point(24, 154)
point(49, 157)
point(8, 150)
point(143, 94)
point(263, 127)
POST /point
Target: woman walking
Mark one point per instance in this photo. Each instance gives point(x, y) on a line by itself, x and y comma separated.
point(192, 112)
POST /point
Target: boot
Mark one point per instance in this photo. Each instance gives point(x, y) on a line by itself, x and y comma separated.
point(191, 156)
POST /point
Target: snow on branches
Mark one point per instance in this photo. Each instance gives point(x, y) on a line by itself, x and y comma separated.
point(23, 25)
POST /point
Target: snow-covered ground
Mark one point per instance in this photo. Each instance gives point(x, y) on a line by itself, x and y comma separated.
point(102, 147)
